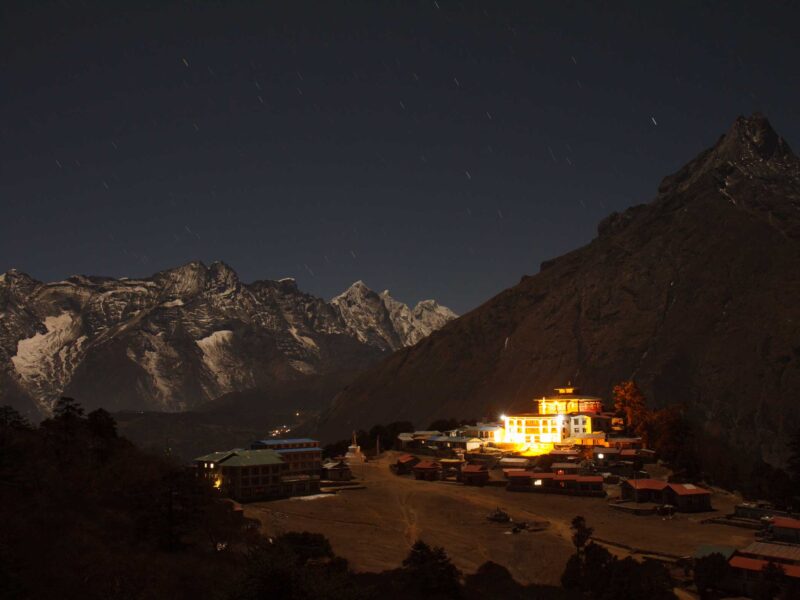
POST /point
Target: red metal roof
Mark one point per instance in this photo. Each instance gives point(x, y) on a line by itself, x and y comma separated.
point(406, 458)
point(474, 469)
point(688, 490)
point(785, 523)
point(427, 464)
point(647, 484)
point(755, 564)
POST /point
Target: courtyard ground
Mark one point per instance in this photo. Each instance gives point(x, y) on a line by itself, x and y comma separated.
point(373, 528)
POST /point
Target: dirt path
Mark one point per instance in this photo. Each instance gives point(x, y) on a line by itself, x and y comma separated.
point(373, 528)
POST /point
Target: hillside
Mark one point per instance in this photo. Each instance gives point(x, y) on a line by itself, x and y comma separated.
point(695, 295)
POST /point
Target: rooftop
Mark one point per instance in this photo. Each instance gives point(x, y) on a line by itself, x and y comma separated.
point(244, 458)
point(646, 484)
point(292, 450)
point(427, 464)
point(688, 489)
point(281, 441)
point(755, 564)
point(772, 550)
point(708, 549)
point(785, 523)
point(474, 469)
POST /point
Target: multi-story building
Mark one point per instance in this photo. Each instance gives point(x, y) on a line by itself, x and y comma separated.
point(247, 474)
point(567, 415)
point(303, 455)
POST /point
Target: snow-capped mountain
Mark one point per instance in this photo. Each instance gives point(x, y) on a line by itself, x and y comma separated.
point(186, 336)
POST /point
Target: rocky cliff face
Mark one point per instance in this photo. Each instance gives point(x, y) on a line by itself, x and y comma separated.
point(695, 295)
point(185, 336)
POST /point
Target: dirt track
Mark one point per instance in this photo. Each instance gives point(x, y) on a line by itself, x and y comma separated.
point(373, 528)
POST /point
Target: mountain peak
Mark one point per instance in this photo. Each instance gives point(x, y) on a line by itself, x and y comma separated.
point(751, 149)
point(752, 136)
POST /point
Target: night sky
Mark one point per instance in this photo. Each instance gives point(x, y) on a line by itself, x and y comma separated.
point(438, 149)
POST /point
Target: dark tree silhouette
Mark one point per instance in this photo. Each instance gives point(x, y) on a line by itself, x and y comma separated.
point(581, 533)
point(709, 571)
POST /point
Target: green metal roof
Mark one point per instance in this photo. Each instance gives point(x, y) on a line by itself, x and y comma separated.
point(215, 456)
point(707, 549)
point(244, 458)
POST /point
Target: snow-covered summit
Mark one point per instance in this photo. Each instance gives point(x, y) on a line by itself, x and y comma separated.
point(379, 315)
point(187, 335)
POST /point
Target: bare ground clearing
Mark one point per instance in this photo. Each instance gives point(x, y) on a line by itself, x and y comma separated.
point(373, 528)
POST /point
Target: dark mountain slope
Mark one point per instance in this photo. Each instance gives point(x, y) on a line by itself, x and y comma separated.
point(696, 295)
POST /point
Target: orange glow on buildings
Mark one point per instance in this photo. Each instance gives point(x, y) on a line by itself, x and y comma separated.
point(558, 418)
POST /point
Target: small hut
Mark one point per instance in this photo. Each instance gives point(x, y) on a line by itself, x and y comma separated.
point(427, 470)
point(476, 474)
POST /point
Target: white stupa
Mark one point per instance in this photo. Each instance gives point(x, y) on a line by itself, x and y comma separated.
point(354, 453)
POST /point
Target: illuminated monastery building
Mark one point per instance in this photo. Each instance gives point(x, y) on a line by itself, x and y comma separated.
point(566, 418)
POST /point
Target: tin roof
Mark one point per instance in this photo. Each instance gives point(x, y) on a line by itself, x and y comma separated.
point(785, 523)
point(709, 549)
point(474, 469)
point(688, 489)
point(293, 450)
point(406, 458)
point(755, 564)
point(215, 456)
point(246, 458)
point(646, 484)
point(427, 464)
point(281, 441)
point(771, 550)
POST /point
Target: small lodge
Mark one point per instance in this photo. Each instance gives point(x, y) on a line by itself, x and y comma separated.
point(451, 467)
point(605, 456)
point(748, 563)
point(784, 529)
point(564, 468)
point(451, 442)
point(336, 470)
point(486, 432)
point(552, 483)
point(427, 470)
point(477, 474)
point(405, 464)
point(685, 497)
point(514, 462)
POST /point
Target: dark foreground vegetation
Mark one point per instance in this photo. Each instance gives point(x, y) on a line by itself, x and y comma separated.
point(85, 514)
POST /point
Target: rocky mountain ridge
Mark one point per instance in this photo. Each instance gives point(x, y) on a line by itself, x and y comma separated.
point(694, 295)
point(186, 336)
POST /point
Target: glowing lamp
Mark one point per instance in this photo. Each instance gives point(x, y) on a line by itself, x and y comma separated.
point(537, 482)
point(601, 456)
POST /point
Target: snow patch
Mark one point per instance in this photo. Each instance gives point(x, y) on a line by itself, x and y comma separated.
point(218, 358)
point(306, 341)
point(46, 361)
